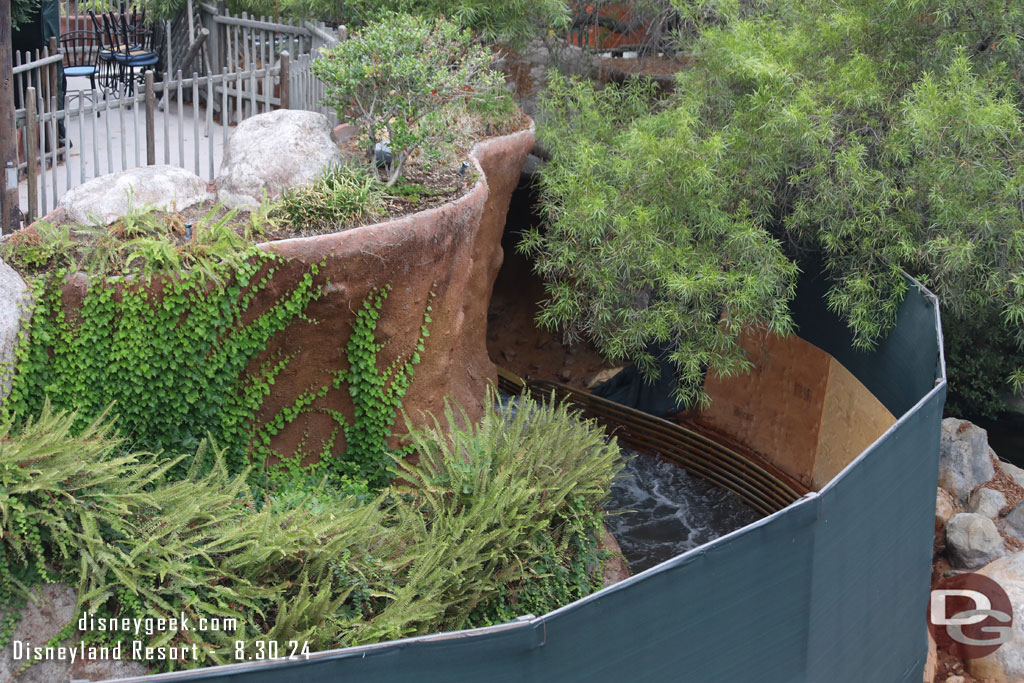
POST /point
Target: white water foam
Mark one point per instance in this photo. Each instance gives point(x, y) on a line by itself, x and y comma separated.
point(657, 510)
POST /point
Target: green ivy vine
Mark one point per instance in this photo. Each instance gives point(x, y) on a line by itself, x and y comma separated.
point(376, 396)
point(171, 353)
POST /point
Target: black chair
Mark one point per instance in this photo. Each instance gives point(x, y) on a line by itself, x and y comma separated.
point(81, 51)
point(135, 50)
point(107, 29)
point(128, 45)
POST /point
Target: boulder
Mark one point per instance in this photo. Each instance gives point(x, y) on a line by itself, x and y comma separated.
point(42, 618)
point(973, 540)
point(106, 198)
point(1006, 663)
point(273, 152)
point(986, 502)
point(964, 461)
point(15, 308)
point(615, 567)
point(1013, 523)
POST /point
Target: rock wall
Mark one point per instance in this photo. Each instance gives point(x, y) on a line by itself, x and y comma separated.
point(447, 256)
point(979, 527)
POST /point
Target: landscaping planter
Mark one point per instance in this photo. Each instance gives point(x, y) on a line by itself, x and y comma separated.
point(447, 257)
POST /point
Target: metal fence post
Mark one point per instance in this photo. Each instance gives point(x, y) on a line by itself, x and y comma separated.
point(221, 34)
point(150, 120)
point(285, 78)
point(53, 73)
point(31, 150)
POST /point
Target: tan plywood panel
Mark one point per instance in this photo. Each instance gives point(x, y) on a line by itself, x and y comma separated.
point(851, 421)
point(776, 410)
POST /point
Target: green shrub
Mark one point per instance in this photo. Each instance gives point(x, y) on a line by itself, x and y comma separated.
point(386, 78)
point(641, 245)
point(45, 246)
point(519, 488)
point(979, 359)
point(76, 508)
point(143, 242)
point(340, 194)
point(495, 519)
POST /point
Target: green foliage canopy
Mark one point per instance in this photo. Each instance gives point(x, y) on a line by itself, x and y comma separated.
point(881, 137)
point(642, 246)
point(397, 71)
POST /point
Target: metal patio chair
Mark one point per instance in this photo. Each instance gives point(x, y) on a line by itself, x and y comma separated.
point(81, 51)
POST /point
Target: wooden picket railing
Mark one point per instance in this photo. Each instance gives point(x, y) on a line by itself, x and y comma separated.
point(240, 67)
point(134, 133)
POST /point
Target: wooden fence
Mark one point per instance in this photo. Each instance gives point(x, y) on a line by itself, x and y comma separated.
point(246, 66)
point(189, 133)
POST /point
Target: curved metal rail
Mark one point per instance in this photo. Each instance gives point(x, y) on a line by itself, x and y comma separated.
point(761, 485)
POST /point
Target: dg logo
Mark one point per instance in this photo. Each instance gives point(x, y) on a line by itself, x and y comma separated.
point(970, 615)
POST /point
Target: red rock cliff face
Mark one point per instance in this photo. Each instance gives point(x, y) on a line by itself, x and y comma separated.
point(453, 251)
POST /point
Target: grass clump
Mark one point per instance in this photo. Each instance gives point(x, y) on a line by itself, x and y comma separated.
point(496, 519)
point(341, 194)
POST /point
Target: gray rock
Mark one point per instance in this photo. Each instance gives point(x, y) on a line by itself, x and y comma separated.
point(1013, 523)
point(274, 152)
point(986, 502)
point(964, 461)
point(1006, 663)
point(531, 166)
point(15, 310)
point(40, 621)
point(105, 198)
point(973, 540)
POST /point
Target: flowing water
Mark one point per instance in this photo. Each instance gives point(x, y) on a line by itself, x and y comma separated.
point(657, 510)
point(668, 511)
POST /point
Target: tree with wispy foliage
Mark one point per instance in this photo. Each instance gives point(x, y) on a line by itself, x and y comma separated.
point(880, 137)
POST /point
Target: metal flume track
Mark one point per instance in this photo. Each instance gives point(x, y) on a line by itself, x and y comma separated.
point(759, 484)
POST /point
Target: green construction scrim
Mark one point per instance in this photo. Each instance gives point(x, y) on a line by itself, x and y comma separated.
point(832, 589)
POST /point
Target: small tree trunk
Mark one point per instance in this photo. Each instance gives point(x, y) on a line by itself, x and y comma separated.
point(396, 169)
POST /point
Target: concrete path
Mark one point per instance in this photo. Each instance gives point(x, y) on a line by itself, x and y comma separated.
point(115, 140)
